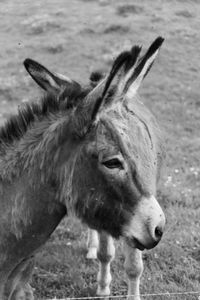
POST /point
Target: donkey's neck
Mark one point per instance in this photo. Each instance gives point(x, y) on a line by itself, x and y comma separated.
point(42, 150)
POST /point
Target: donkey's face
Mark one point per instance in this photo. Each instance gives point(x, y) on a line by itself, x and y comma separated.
point(119, 168)
point(116, 165)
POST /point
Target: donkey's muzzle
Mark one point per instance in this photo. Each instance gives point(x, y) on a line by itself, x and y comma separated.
point(147, 224)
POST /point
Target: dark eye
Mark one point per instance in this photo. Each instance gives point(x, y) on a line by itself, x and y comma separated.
point(113, 163)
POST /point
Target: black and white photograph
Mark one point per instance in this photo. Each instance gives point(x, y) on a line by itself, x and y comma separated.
point(99, 150)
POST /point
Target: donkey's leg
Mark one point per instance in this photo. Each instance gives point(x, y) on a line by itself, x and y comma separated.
point(17, 286)
point(24, 287)
point(2, 282)
point(134, 267)
point(22, 292)
point(92, 244)
point(105, 254)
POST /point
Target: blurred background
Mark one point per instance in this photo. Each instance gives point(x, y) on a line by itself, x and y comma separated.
point(74, 38)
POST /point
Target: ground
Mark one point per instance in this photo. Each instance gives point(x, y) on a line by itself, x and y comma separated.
point(75, 37)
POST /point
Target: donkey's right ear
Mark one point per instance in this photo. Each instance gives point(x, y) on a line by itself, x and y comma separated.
point(139, 70)
point(47, 80)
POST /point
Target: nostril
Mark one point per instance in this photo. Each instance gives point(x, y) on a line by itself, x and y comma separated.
point(158, 232)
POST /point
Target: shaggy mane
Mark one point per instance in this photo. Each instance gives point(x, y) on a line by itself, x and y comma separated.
point(17, 125)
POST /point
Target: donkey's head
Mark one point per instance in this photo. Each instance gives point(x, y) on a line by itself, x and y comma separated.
point(116, 170)
point(117, 155)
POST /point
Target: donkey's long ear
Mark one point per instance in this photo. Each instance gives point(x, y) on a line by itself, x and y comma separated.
point(86, 112)
point(47, 80)
point(135, 75)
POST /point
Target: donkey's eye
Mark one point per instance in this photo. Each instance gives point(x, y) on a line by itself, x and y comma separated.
point(113, 163)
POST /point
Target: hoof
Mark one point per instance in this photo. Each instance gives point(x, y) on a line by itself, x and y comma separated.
point(92, 253)
point(103, 291)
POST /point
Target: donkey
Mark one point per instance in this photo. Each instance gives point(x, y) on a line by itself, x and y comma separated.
point(57, 83)
point(111, 139)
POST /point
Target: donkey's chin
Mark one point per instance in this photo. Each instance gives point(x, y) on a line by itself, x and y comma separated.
point(134, 243)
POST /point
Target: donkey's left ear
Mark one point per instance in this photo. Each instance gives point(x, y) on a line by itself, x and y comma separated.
point(141, 68)
point(49, 81)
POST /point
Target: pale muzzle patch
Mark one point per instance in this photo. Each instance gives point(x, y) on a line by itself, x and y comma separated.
point(147, 223)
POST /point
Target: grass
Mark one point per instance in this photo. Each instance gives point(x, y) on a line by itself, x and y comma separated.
point(74, 38)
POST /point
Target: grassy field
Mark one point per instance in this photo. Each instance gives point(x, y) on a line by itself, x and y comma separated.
point(75, 37)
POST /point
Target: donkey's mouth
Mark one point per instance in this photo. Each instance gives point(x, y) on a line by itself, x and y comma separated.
point(133, 242)
point(138, 245)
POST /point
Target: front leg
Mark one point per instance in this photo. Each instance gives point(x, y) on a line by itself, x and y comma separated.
point(92, 244)
point(105, 254)
point(17, 286)
point(134, 267)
